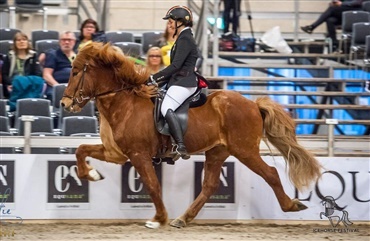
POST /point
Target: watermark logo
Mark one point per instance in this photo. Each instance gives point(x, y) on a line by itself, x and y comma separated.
point(334, 213)
point(8, 221)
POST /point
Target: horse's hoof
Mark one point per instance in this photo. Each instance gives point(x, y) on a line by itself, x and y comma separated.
point(300, 206)
point(152, 225)
point(178, 223)
point(95, 175)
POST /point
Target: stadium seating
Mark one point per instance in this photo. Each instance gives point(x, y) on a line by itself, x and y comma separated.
point(57, 95)
point(3, 111)
point(39, 125)
point(149, 39)
point(8, 33)
point(88, 110)
point(348, 19)
point(79, 124)
point(31, 106)
point(358, 41)
point(130, 48)
point(119, 36)
point(43, 45)
point(5, 46)
point(42, 35)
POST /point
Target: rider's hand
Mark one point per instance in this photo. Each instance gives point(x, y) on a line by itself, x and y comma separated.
point(151, 81)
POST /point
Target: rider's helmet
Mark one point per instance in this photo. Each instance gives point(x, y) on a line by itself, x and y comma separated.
point(180, 14)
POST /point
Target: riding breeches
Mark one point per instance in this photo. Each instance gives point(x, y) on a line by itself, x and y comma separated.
point(175, 96)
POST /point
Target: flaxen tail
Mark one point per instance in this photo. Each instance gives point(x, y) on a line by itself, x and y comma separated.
point(280, 131)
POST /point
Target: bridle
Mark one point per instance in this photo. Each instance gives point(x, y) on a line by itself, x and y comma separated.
point(78, 96)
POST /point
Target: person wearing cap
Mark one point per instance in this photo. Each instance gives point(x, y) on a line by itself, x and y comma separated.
point(179, 75)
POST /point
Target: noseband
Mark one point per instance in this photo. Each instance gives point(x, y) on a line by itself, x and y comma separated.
point(78, 96)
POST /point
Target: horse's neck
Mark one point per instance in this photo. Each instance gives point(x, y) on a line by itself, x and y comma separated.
point(113, 102)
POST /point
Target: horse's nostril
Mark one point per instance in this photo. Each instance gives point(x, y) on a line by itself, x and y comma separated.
point(62, 104)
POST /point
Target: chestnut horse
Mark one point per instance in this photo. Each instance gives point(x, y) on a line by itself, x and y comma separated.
point(227, 124)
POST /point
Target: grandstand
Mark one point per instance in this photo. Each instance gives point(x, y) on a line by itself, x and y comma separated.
point(312, 83)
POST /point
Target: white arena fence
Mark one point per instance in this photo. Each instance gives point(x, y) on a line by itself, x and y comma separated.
point(47, 187)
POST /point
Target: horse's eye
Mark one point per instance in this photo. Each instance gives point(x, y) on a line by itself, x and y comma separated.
point(74, 74)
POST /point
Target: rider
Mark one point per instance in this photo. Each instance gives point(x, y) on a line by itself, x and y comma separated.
point(179, 75)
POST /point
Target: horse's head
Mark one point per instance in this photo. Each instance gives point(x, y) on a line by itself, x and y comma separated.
point(100, 70)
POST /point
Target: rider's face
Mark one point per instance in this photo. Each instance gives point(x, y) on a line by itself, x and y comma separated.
point(171, 25)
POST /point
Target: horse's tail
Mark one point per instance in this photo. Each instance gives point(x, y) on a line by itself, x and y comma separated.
point(280, 131)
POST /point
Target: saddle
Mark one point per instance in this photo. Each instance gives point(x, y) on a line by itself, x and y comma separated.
point(195, 100)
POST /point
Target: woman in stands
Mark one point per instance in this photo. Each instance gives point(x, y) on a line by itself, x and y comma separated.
point(89, 32)
point(154, 61)
point(179, 75)
point(21, 72)
point(166, 43)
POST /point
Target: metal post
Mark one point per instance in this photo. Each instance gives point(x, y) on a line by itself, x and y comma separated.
point(12, 17)
point(27, 119)
point(205, 38)
point(216, 11)
point(296, 19)
point(45, 18)
point(331, 123)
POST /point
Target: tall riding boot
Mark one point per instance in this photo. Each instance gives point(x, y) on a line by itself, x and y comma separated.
point(176, 133)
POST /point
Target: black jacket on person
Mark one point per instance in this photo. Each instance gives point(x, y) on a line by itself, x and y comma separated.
point(184, 54)
point(31, 67)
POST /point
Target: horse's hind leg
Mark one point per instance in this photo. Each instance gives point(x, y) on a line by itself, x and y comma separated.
point(212, 169)
point(271, 176)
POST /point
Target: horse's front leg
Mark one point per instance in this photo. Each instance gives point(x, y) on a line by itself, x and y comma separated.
point(212, 169)
point(85, 171)
point(143, 165)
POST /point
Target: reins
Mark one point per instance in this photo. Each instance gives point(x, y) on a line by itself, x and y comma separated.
point(79, 88)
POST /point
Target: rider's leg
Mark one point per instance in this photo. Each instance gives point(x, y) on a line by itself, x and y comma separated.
point(176, 133)
point(175, 96)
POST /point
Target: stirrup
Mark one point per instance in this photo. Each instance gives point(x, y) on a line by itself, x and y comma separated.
point(177, 154)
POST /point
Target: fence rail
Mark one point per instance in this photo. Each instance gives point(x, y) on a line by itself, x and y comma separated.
point(329, 145)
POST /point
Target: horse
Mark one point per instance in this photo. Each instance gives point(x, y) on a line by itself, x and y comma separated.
point(334, 212)
point(227, 124)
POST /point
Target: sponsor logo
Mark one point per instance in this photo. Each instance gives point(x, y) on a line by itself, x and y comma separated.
point(133, 190)
point(226, 190)
point(64, 186)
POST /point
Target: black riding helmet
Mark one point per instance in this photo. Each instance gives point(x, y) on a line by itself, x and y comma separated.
point(181, 14)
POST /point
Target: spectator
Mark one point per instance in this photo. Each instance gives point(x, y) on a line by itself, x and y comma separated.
point(234, 6)
point(58, 63)
point(166, 43)
point(333, 17)
point(154, 60)
point(89, 33)
point(21, 72)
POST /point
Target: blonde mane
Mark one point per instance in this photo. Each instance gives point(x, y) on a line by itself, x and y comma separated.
point(106, 56)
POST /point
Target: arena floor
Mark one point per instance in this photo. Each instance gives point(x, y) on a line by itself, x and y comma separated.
point(74, 230)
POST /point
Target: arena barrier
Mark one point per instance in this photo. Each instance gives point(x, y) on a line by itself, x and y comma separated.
point(47, 187)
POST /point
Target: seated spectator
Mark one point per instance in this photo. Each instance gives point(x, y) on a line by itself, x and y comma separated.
point(58, 63)
point(154, 60)
point(89, 33)
point(21, 72)
point(166, 43)
point(333, 17)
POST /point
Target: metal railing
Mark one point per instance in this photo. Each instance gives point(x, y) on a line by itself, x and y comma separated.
point(329, 145)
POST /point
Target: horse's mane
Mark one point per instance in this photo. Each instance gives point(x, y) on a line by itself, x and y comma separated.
point(125, 71)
